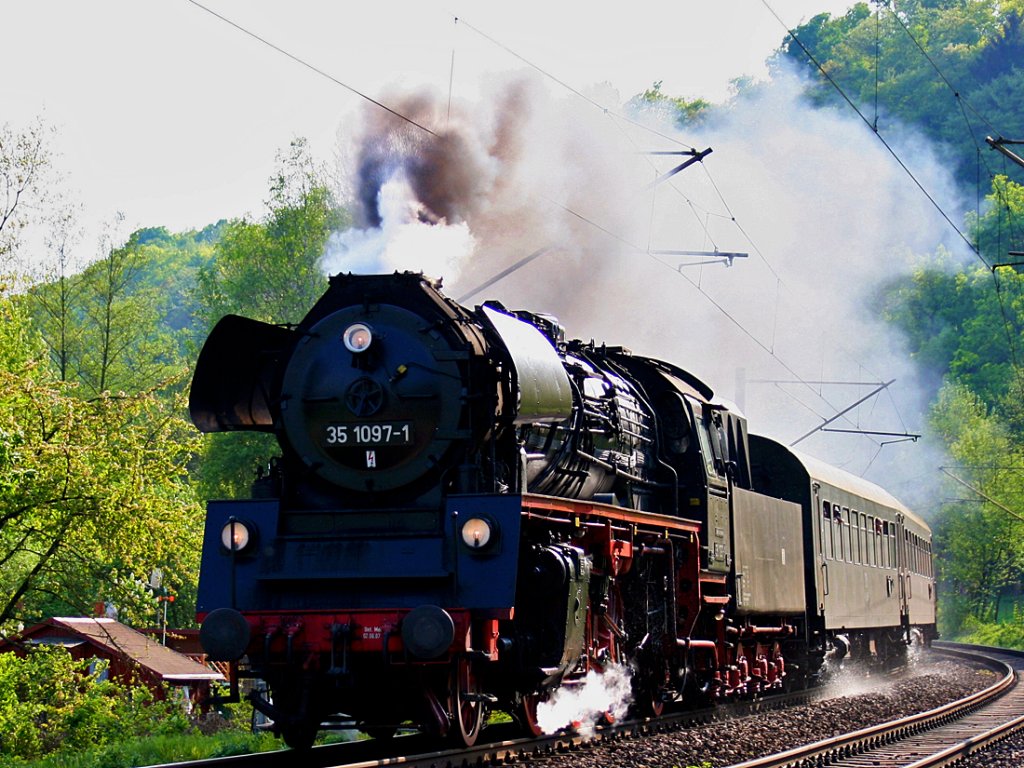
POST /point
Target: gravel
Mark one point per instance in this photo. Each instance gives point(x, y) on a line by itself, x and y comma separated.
point(847, 704)
point(1008, 753)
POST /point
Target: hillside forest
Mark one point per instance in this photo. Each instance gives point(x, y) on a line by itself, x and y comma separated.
point(103, 478)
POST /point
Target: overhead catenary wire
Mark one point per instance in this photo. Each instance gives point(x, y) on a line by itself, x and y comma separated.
point(570, 88)
point(536, 254)
point(311, 67)
point(910, 174)
point(767, 348)
point(964, 105)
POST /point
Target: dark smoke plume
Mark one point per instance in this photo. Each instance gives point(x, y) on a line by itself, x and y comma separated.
point(449, 172)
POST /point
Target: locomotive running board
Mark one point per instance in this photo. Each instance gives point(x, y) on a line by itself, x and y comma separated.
point(536, 505)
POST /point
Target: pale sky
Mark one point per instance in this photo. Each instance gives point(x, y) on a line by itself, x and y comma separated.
point(173, 117)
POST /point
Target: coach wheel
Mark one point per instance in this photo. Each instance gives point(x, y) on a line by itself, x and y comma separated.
point(467, 703)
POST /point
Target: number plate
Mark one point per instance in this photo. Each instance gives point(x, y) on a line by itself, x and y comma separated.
point(382, 433)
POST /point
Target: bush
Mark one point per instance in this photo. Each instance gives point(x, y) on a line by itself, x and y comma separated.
point(51, 703)
point(1006, 634)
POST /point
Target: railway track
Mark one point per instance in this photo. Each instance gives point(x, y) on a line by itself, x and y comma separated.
point(939, 737)
point(910, 741)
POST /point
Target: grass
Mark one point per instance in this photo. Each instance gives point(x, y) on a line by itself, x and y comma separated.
point(156, 750)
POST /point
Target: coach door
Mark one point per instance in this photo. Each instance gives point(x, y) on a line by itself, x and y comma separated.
point(822, 515)
point(905, 587)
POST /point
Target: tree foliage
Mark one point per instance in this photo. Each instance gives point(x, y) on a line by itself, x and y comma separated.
point(951, 68)
point(980, 537)
point(963, 322)
point(125, 322)
point(93, 495)
point(26, 173)
point(683, 112)
point(268, 269)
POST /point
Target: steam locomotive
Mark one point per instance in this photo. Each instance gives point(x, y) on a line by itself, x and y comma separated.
point(470, 511)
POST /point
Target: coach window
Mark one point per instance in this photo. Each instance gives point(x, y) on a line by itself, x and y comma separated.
point(883, 543)
point(892, 546)
point(849, 516)
point(869, 539)
point(826, 520)
point(855, 535)
point(830, 541)
point(848, 538)
point(838, 516)
point(879, 549)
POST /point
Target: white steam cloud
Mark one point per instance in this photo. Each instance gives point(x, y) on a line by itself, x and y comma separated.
point(601, 696)
point(825, 213)
point(403, 241)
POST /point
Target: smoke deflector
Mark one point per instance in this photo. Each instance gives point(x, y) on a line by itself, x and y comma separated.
point(543, 387)
point(230, 388)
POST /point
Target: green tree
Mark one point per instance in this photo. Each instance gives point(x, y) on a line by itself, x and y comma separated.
point(949, 69)
point(980, 540)
point(963, 325)
point(55, 296)
point(964, 322)
point(998, 230)
point(266, 270)
point(125, 347)
point(683, 112)
point(116, 326)
point(26, 173)
point(93, 494)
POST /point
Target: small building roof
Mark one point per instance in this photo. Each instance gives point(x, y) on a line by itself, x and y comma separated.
point(120, 640)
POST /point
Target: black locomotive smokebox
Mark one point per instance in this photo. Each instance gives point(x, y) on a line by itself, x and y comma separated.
point(427, 631)
point(224, 635)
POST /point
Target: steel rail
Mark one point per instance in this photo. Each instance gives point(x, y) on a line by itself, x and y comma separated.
point(502, 747)
point(858, 746)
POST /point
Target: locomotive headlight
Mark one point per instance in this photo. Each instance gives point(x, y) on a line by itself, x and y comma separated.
point(235, 535)
point(477, 532)
point(357, 338)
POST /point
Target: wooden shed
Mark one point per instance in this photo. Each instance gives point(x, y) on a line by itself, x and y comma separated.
point(132, 656)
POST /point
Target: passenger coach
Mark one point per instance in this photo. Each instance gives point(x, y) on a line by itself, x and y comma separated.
point(870, 583)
